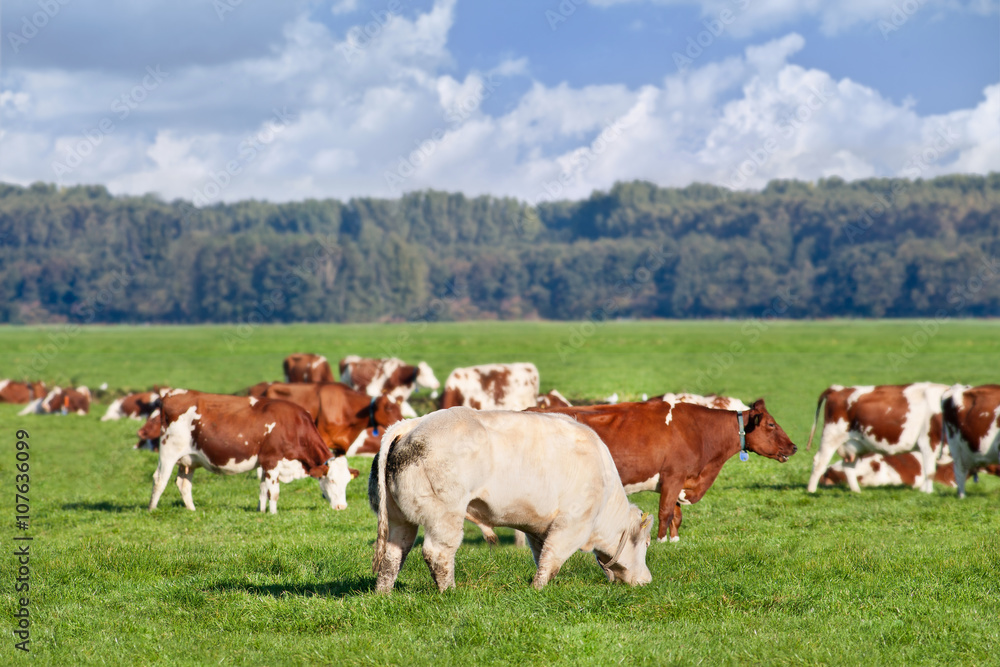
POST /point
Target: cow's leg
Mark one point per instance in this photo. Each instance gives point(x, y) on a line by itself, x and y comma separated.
point(961, 474)
point(558, 547)
point(184, 474)
point(834, 436)
point(399, 541)
point(851, 473)
point(536, 547)
point(669, 493)
point(519, 539)
point(269, 491)
point(441, 541)
point(675, 525)
point(160, 478)
point(930, 466)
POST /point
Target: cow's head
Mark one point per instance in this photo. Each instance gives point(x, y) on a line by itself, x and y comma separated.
point(426, 377)
point(387, 411)
point(149, 433)
point(765, 436)
point(629, 564)
point(334, 476)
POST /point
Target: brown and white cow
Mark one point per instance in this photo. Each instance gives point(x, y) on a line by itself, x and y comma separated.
point(139, 405)
point(307, 368)
point(340, 413)
point(553, 399)
point(12, 391)
point(885, 419)
point(234, 434)
point(392, 377)
point(492, 387)
point(60, 401)
point(971, 428)
point(709, 401)
point(678, 449)
point(895, 470)
point(543, 474)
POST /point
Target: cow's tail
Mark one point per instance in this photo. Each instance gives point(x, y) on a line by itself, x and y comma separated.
point(819, 406)
point(391, 437)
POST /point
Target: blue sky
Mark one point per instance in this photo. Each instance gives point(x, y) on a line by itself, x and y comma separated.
point(219, 100)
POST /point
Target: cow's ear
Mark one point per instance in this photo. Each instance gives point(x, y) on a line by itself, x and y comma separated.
point(354, 473)
point(319, 471)
point(755, 419)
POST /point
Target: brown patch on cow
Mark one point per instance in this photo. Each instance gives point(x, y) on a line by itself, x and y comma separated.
point(495, 384)
point(833, 478)
point(907, 466)
point(876, 466)
point(475, 404)
point(23, 392)
point(362, 373)
point(880, 413)
point(344, 413)
point(402, 376)
point(452, 398)
point(978, 414)
point(945, 474)
point(300, 368)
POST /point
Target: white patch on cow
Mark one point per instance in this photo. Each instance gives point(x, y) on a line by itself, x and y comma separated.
point(667, 538)
point(174, 392)
point(269, 427)
point(232, 466)
point(253, 401)
point(114, 411)
point(682, 498)
point(356, 445)
point(670, 416)
point(320, 360)
point(3, 384)
point(612, 399)
point(288, 471)
point(650, 484)
point(426, 378)
point(858, 393)
point(709, 401)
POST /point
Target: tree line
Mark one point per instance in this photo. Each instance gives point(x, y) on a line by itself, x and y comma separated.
point(868, 248)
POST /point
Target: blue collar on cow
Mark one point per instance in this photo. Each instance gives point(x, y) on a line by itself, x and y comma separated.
point(744, 456)
point(372, 424)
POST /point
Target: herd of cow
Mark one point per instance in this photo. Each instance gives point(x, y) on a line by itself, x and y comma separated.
point(498, 453)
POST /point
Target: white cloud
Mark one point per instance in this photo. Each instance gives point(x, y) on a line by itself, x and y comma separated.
point(387, 112)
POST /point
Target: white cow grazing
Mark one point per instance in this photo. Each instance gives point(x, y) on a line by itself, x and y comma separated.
point(492, 387)
point(540, 473)
point(710, 401)
point(971, 425)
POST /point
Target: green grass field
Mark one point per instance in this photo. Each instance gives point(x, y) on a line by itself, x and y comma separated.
point(764, 573)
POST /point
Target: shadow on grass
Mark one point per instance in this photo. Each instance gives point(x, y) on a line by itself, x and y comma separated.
point(778, 487)
point(103, 506)
point(338, 589)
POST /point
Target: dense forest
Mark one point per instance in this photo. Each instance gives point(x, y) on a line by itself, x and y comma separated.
point(872, 248)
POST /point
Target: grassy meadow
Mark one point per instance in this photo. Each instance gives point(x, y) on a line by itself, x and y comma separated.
point(764, 572)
